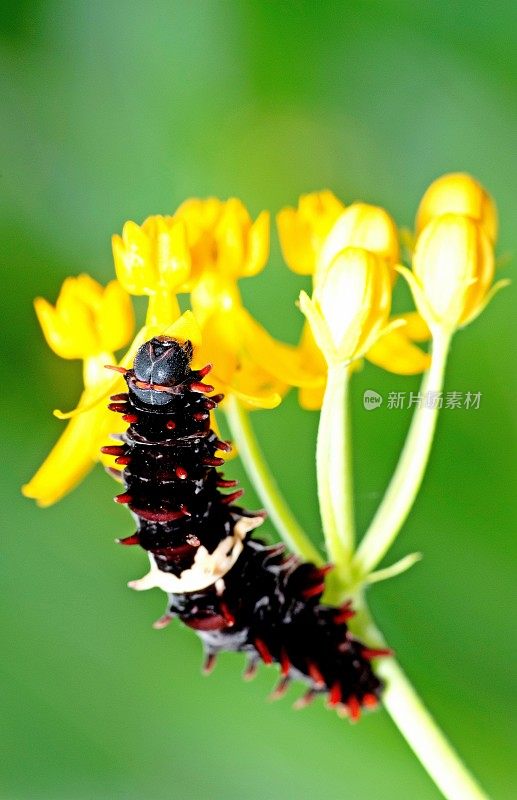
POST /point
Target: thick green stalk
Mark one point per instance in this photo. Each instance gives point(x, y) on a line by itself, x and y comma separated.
point(403, 488)
point(400, 699)
point(334, 471)
point(264, 483)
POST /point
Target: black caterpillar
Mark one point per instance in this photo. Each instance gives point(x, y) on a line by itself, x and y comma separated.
point(237, 593)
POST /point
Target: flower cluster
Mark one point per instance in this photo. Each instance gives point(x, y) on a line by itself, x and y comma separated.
point(203, 250)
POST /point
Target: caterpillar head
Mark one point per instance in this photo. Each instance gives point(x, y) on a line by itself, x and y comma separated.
point(160, 362)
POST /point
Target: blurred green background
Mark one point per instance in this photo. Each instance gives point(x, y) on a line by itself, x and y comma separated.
point(116, 110)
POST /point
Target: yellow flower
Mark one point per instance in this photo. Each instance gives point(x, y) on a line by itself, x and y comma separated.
point(248, 362)
point(225, 245)
point(350, 304)
point(222, 237)
point(170, 253)
point(370, 228)
point(302, 230)
point(234, 370)
point(394, 351)
point(365, 226)
point(87, 323)
point(453, 268)
point(204, 247)
point(87, 319)
point(323, 228)
point(458, 193)
point(154, 259)
point(152, 254)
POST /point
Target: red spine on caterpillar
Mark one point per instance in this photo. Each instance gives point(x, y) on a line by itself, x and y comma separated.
point(234, 591)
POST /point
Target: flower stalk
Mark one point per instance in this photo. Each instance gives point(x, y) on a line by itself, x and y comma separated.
point(403, 488)
point(334, 471)
point(262, 480)
point(400, 698)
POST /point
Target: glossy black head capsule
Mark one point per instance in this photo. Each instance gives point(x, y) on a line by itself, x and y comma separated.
point(162, 361)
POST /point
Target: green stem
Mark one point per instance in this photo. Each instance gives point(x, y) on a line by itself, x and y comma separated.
point(400, 699)
point(334, 471)
point(415, 723)
point(264, 484)
point(403, 488)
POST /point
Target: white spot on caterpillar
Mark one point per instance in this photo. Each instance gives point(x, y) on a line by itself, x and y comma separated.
point(208, 568)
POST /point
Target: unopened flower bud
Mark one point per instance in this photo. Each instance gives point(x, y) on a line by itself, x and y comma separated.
point(366, 226)
point(453, 268)
point(350, 305)
point(458, 193)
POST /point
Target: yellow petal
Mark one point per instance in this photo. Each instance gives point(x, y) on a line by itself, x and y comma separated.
point(185, 329)
point(302, 231)
point(72, 456)
point(394, 352)
point(318, 325)
point(258, 246)
point(495, 289)
point(308, 397)
point(234, 370)
point(173, 256)
point(115, 319)
point(52, 328)
point(415, 327)
point(230, 235)
point(295, 244)
point(87, 289)
point(260, 399)
point(311, 399)
point(282, 361)
point(321, 208)
point(133, 260)
point(59, 474)
point(199, 215)
point(87, 319)
point(97, 396)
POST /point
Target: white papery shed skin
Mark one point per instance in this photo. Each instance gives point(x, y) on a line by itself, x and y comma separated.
point(207, 569)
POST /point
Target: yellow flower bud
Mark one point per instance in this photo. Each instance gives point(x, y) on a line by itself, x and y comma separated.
point(365, 226)
point(453, 267)
point(152, 256)
point(350, 305)
point(458, 193)
point(87, 319)
point(302, 230)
